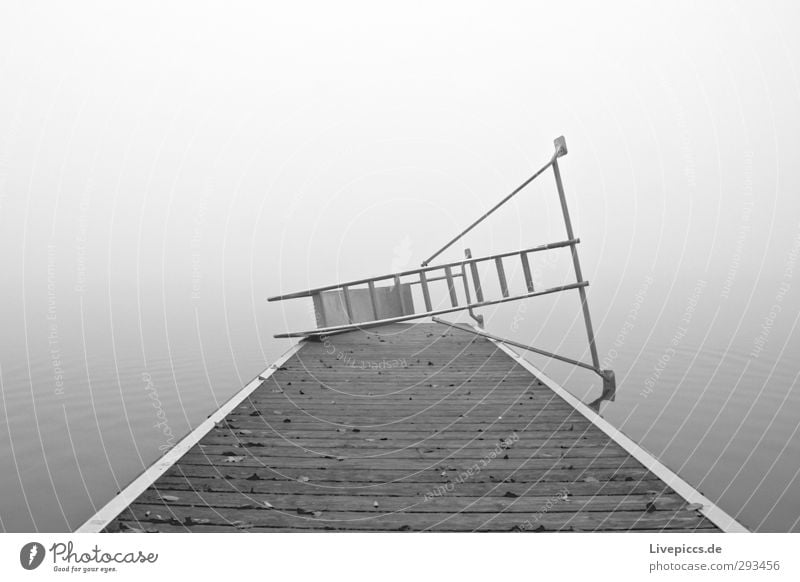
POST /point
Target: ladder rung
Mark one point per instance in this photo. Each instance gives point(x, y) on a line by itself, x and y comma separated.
point(501, 274)
point(399, 292)
point(448, 274)
point(526, 269)
point(373, 299)
point(347, 306)
point(425, 292)
point(476, 280)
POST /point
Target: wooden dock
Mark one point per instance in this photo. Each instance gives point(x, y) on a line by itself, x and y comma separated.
point(407, 428)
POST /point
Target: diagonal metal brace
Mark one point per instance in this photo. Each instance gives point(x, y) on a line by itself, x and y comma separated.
point(608, 376)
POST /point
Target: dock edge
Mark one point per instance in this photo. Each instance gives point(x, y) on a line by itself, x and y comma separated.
point(149, 476)
point(711, 510)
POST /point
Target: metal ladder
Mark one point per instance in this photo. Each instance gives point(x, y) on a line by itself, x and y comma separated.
point(364, 303)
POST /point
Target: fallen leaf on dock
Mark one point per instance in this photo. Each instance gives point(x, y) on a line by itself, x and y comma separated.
point(303, 479)
point(591, 480)
point(268, 505)
point(170, 497)
point(234, 459)
point(195, 520)
point(510, 494)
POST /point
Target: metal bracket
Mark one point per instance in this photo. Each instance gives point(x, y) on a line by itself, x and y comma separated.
point(561, 146)
point(476, 316)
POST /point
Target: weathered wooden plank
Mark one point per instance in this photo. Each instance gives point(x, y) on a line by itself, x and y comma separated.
point(387, 476)
point(377, 518)
point(467, 488)
point(432, 503)
point(369, 464)
point(301, 451)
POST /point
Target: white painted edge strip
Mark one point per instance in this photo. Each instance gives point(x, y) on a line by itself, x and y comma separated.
point(128, 495)
point(714, 513)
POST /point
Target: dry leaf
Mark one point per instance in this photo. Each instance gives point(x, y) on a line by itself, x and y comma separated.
point(170, 498)
point(195, 520)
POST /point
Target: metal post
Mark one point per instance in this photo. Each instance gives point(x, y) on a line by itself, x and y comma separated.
point(561, 149)
point(477, 317)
